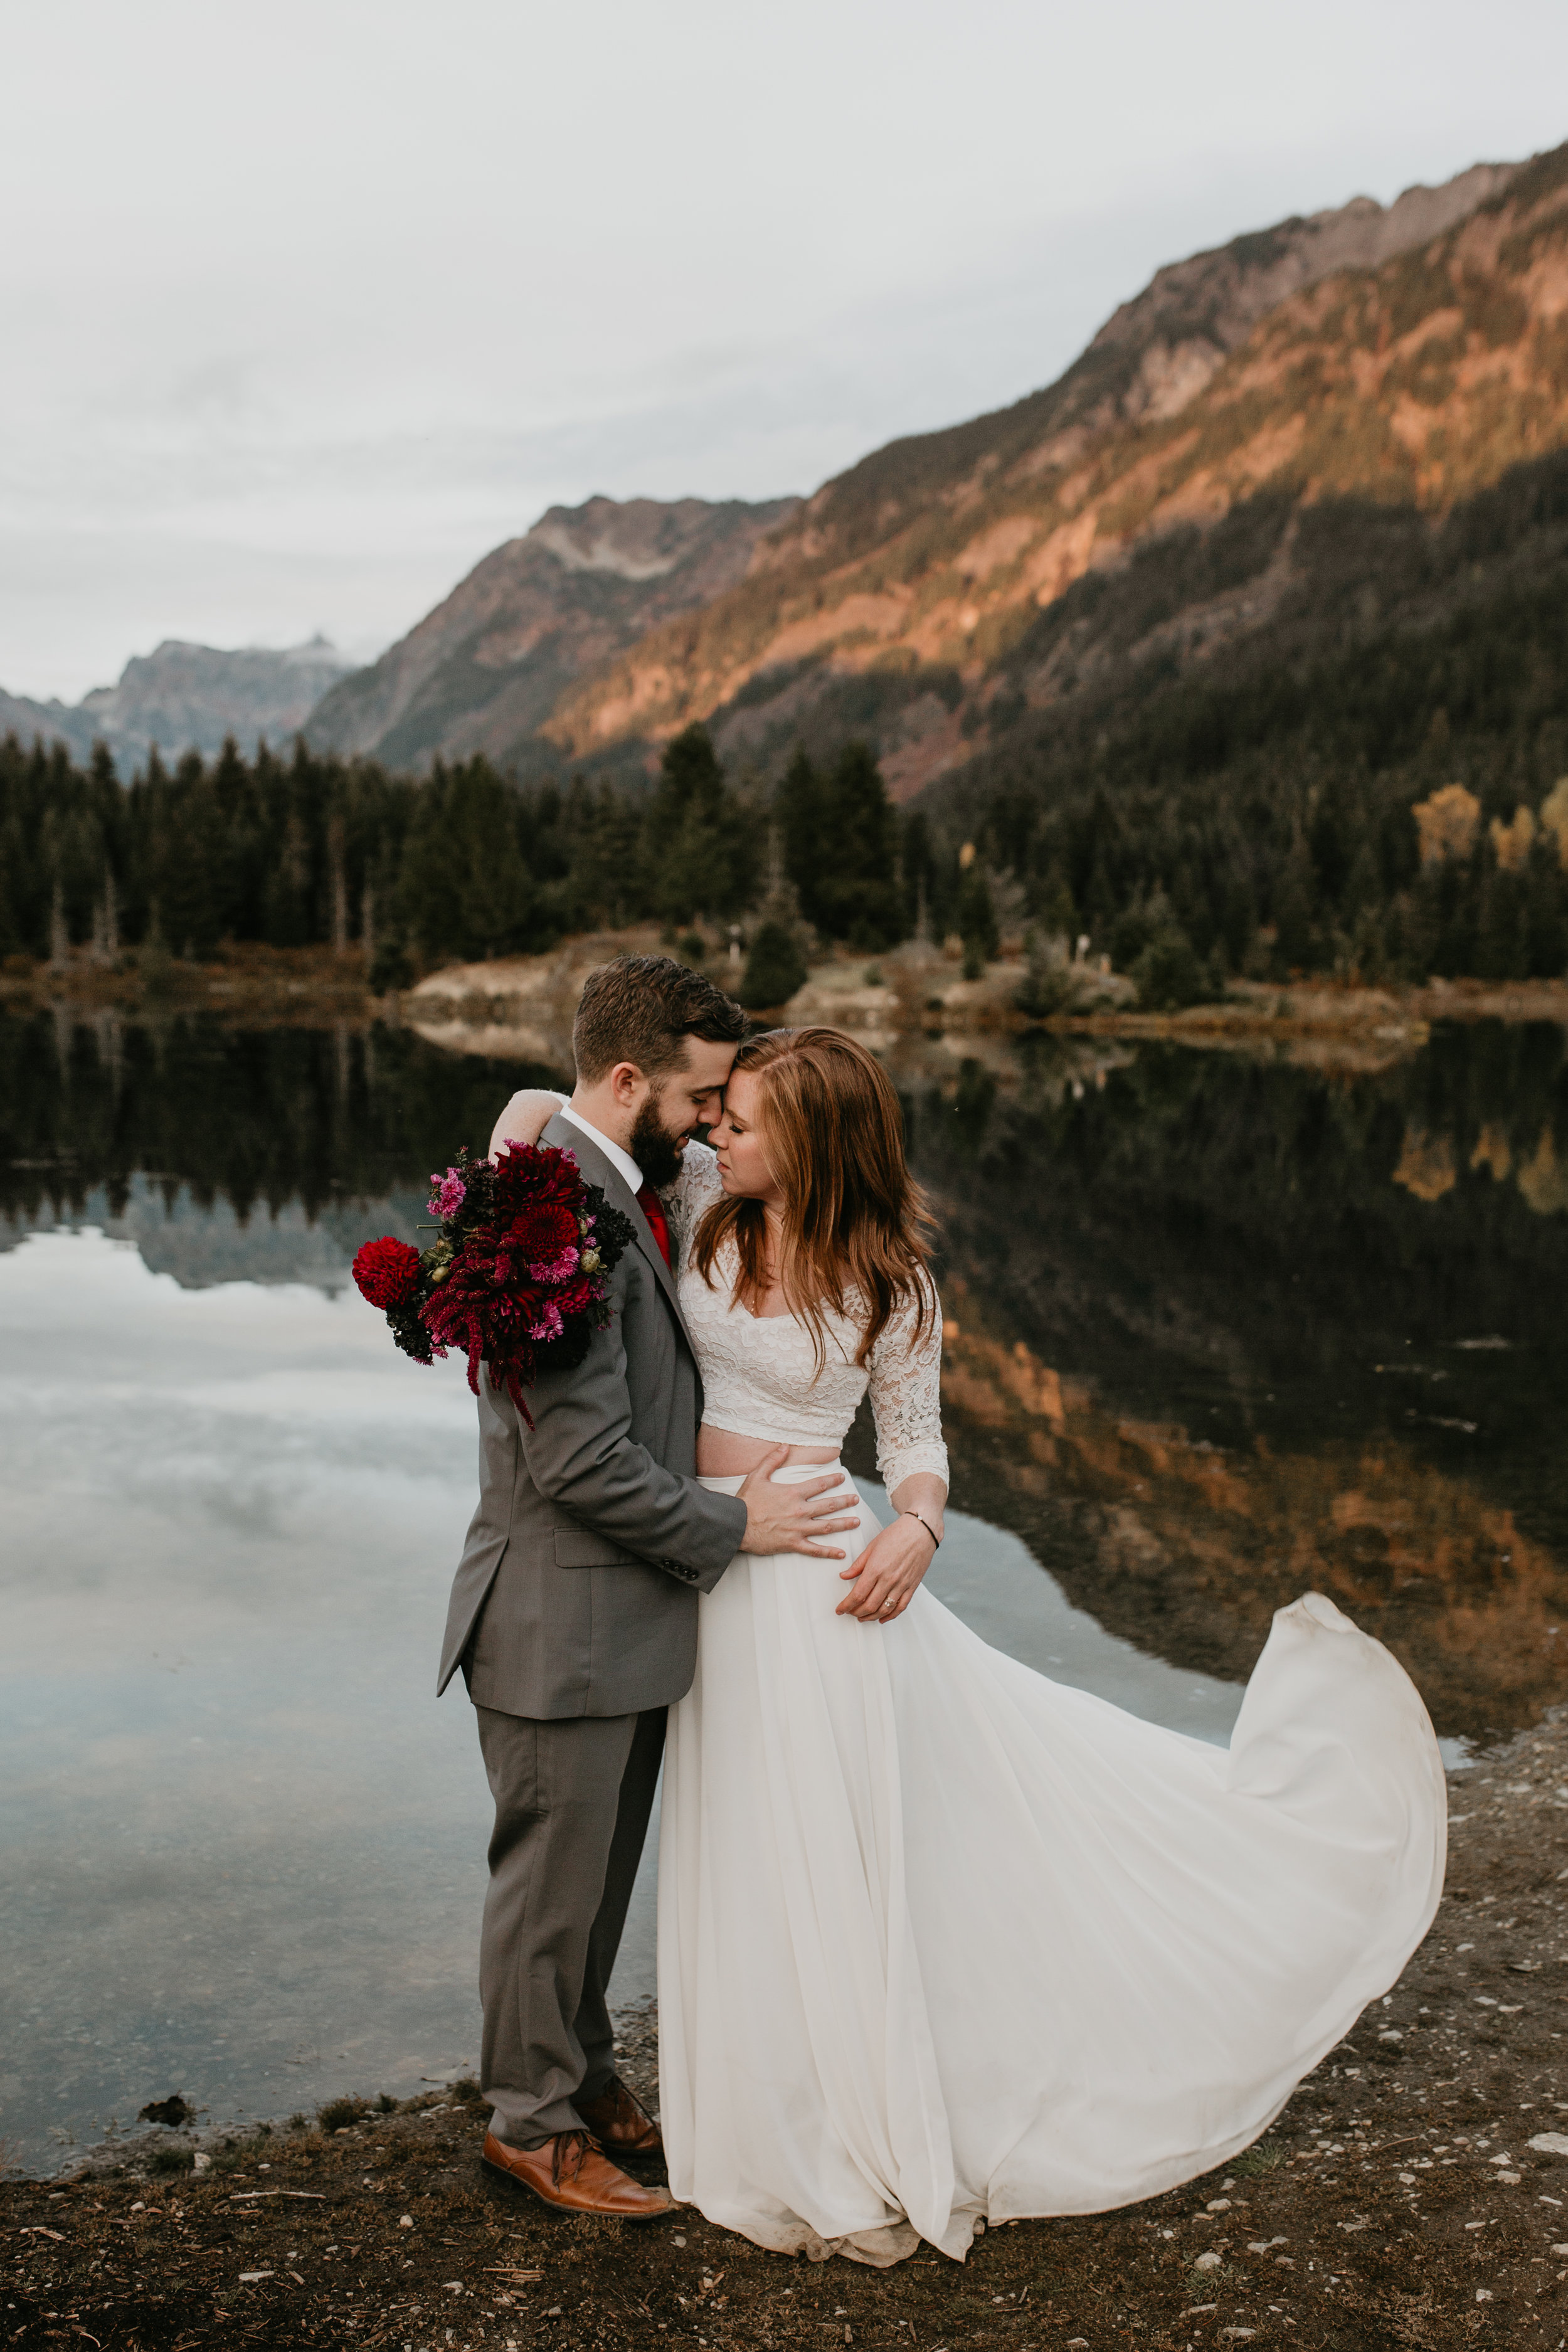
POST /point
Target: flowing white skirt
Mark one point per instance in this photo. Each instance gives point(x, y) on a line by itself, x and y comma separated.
point(943, 1942)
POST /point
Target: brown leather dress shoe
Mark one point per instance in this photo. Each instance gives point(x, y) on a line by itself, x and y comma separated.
point(572, 2171)
point(620, 2125)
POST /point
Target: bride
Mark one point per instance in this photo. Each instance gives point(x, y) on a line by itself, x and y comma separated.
point(942, 1942)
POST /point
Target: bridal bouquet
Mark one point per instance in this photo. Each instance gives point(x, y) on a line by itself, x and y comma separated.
point(518, 1276)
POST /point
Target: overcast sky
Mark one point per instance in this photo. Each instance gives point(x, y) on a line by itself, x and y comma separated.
point(308, 306)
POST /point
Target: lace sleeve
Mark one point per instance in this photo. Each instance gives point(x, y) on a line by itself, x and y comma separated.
point(906, 1396)
point(685, 1200)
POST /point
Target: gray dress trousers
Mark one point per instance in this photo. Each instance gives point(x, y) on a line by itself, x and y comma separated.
point(573, 1619)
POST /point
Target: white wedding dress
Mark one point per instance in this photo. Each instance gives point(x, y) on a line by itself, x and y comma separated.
point(942, 1942)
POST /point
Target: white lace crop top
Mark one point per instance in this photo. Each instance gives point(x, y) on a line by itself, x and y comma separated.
point(760, 1376)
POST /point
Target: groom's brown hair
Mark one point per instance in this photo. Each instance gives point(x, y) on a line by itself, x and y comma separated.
point(642, 1008)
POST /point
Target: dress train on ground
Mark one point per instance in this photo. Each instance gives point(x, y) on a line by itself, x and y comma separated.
point(942, 1941)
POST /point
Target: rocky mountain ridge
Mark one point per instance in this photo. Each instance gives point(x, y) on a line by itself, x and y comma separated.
point(186, 696)
point(484, 670)
point(1413, 355)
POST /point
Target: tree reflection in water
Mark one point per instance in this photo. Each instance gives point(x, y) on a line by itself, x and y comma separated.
point(1219, 1326)
point(1209, 1345)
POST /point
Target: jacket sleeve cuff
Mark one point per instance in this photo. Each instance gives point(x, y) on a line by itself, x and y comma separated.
point(714, 1545)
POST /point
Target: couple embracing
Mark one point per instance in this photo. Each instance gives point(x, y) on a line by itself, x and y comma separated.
point(940, 1942)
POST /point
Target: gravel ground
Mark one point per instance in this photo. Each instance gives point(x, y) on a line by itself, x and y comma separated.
point(1399, 2202)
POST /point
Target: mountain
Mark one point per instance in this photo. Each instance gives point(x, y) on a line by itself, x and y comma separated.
point(187, 698)
point(55, 721)
point(1404, 356)
point(484, 670)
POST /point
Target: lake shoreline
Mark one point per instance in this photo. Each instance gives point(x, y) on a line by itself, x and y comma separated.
point(1396, 2200)
point(520, 1007)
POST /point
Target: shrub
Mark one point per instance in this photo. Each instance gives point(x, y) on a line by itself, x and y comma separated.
point(171, 2159)
point(1048, 987)
point(1169, 974)
point(339, 2113)
point(774, 969)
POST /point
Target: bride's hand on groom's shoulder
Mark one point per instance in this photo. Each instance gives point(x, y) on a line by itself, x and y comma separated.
point(525, 1118)
point(887, 1575)
point(794, 1518)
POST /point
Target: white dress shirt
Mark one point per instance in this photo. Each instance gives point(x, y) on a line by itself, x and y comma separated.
point(621, 1162)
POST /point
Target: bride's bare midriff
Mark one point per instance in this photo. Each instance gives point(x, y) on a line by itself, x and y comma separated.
point(724, 1453)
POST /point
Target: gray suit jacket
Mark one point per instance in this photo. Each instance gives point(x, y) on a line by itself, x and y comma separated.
point(576, 1593)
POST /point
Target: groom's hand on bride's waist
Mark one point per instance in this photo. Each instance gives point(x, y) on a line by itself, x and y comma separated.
point(796, 1518)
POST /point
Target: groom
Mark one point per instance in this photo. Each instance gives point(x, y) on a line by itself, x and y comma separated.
point(573, 1612)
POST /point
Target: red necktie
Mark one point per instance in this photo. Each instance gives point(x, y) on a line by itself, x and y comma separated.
point(652, 1208)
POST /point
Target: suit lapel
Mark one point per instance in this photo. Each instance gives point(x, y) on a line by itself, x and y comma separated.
point(598, 1170)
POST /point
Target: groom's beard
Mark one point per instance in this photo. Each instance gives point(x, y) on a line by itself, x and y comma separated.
point(657, 1153)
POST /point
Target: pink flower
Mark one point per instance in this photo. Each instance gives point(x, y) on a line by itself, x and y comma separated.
point(549, 1326)
point(447, 1194)
point(555, 1269)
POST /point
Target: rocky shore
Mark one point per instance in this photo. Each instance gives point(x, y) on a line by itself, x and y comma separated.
point(247, 983)
point(1413, 2194)
point(519, 1008)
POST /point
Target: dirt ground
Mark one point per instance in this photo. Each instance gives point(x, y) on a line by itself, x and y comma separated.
point(1397, 2202)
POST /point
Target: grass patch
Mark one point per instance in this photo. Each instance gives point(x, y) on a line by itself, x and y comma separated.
point(341, 2115)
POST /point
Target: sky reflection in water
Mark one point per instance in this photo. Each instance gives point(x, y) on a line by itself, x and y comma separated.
point(244, 1845)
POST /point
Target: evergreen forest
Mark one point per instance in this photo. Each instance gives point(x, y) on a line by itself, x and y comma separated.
point(464, 865)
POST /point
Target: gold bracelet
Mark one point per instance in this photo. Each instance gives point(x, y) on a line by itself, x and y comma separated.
point(936, 1539)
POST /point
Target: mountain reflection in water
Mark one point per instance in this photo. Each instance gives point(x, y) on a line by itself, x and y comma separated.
point(1220, 1327)
point(1209, 1345)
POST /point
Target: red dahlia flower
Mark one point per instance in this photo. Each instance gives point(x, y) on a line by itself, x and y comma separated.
point(386, 1272)
point(540, 1233)
point(541, 1178)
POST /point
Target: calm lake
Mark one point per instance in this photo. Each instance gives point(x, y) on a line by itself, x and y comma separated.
point(1220, 1328)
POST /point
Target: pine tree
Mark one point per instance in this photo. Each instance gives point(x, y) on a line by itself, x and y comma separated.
point(1059, 916)
point(800, 817)
point(288, 915)
point(1294, 907)
point(59, 937)
point(840, 836)
point(463, 889)
point(699, 841)
point(977, 921)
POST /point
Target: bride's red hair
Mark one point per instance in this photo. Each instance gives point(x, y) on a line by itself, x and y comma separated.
point(855, 1221)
